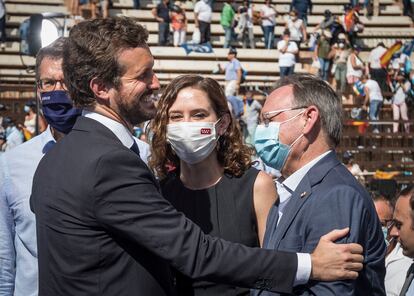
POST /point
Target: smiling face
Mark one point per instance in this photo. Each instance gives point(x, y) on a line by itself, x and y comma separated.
point(133, 99)
point(192, 105)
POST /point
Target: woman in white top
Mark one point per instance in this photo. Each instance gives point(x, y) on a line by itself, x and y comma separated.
point(399, 107)
point(297, 28)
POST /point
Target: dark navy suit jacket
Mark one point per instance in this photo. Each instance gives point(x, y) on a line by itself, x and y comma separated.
point(328, 198)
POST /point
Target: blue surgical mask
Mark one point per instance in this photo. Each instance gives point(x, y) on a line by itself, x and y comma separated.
point(268, 146)
point(385, 232)
point(59, 111)
point(26, 109)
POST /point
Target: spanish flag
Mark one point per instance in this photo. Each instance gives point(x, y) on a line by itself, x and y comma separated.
point(386, 57)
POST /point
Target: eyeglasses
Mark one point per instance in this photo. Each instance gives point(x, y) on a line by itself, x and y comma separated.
point(50, 84)
point(267, 116)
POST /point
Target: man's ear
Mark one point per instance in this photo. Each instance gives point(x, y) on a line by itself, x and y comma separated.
point(100, 90)
point(311, 116)
point(223, 124)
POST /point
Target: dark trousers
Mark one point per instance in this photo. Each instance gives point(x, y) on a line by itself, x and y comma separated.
point(380, 76)
point(3, 29)
point(407, 8)
point(286, 71)
point(137, 5)
point(163, 34)
point(204, 31)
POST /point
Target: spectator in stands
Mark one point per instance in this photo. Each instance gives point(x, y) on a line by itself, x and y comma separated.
point(403, 230)
point(351, 23)
point(104, 5)
point(202, 17)
point(227, 22)
point(14, 136)
point(323, 53)
point(245, 24)
point(250, 116)
point(408, 8)
point(327, 21)
point(287, 51)
point(296, 28)
point(354, 68)
point(349, 161)
point(302, 7)
point(268, 16)
point(396, 263)
point(233, 73)
point(137, 4)
point(213, 182)
point(401, 88)
point(338, 31)
point(373, 99)
point(162, 15)
point(340, 57)
point(376, 71)
point(179, 25)
point(2, 25)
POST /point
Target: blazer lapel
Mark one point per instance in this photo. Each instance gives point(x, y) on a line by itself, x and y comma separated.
point(297, 200)
point(300, 196)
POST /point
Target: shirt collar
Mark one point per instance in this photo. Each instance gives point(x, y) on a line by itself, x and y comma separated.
point(292, 182)
point(120, 131)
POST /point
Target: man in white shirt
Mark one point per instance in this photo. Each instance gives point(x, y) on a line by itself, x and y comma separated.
point(202, 18)
point(376, 71)
point(402, 229)
point(287, 52)
point(395, 262)
point(373, 98)
point(301, 126)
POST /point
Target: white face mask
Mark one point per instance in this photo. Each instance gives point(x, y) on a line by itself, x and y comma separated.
point(192, 141)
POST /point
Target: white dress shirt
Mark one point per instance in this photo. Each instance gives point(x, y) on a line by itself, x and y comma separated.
point(396, 265)
point(121, 132)
point(285, 190)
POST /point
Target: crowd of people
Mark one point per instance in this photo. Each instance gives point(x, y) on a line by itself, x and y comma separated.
point(86, 208)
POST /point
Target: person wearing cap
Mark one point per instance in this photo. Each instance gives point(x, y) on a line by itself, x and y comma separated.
point(233, 73)
point(327, 21)
point(287, 52)
point(14, 136)
point(323, 53)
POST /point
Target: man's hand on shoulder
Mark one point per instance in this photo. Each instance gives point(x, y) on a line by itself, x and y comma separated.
point(331, 262)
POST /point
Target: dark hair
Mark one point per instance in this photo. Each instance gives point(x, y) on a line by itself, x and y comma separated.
point(286, 32)
point(92, 52)
point(376, 196)
point(310, 90)
point(232, 153)
point(53, 51)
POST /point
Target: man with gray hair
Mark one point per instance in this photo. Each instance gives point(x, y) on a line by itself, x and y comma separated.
point(301, 126)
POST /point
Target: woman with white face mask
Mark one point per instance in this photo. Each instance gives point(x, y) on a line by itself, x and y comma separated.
point(212, 181)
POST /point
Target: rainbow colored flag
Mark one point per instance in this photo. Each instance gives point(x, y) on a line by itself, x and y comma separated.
point(386, 57)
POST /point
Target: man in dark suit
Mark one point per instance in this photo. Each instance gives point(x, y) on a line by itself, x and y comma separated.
point(302, 126)
point(103, 227)
point(403, 230)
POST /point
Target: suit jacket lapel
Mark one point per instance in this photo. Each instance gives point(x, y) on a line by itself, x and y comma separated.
point(290, 211)
point(299, 197)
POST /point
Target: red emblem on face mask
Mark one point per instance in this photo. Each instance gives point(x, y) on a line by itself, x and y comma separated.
point(205, 131)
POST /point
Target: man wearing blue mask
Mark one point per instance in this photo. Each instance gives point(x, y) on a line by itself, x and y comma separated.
point(301, 125)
